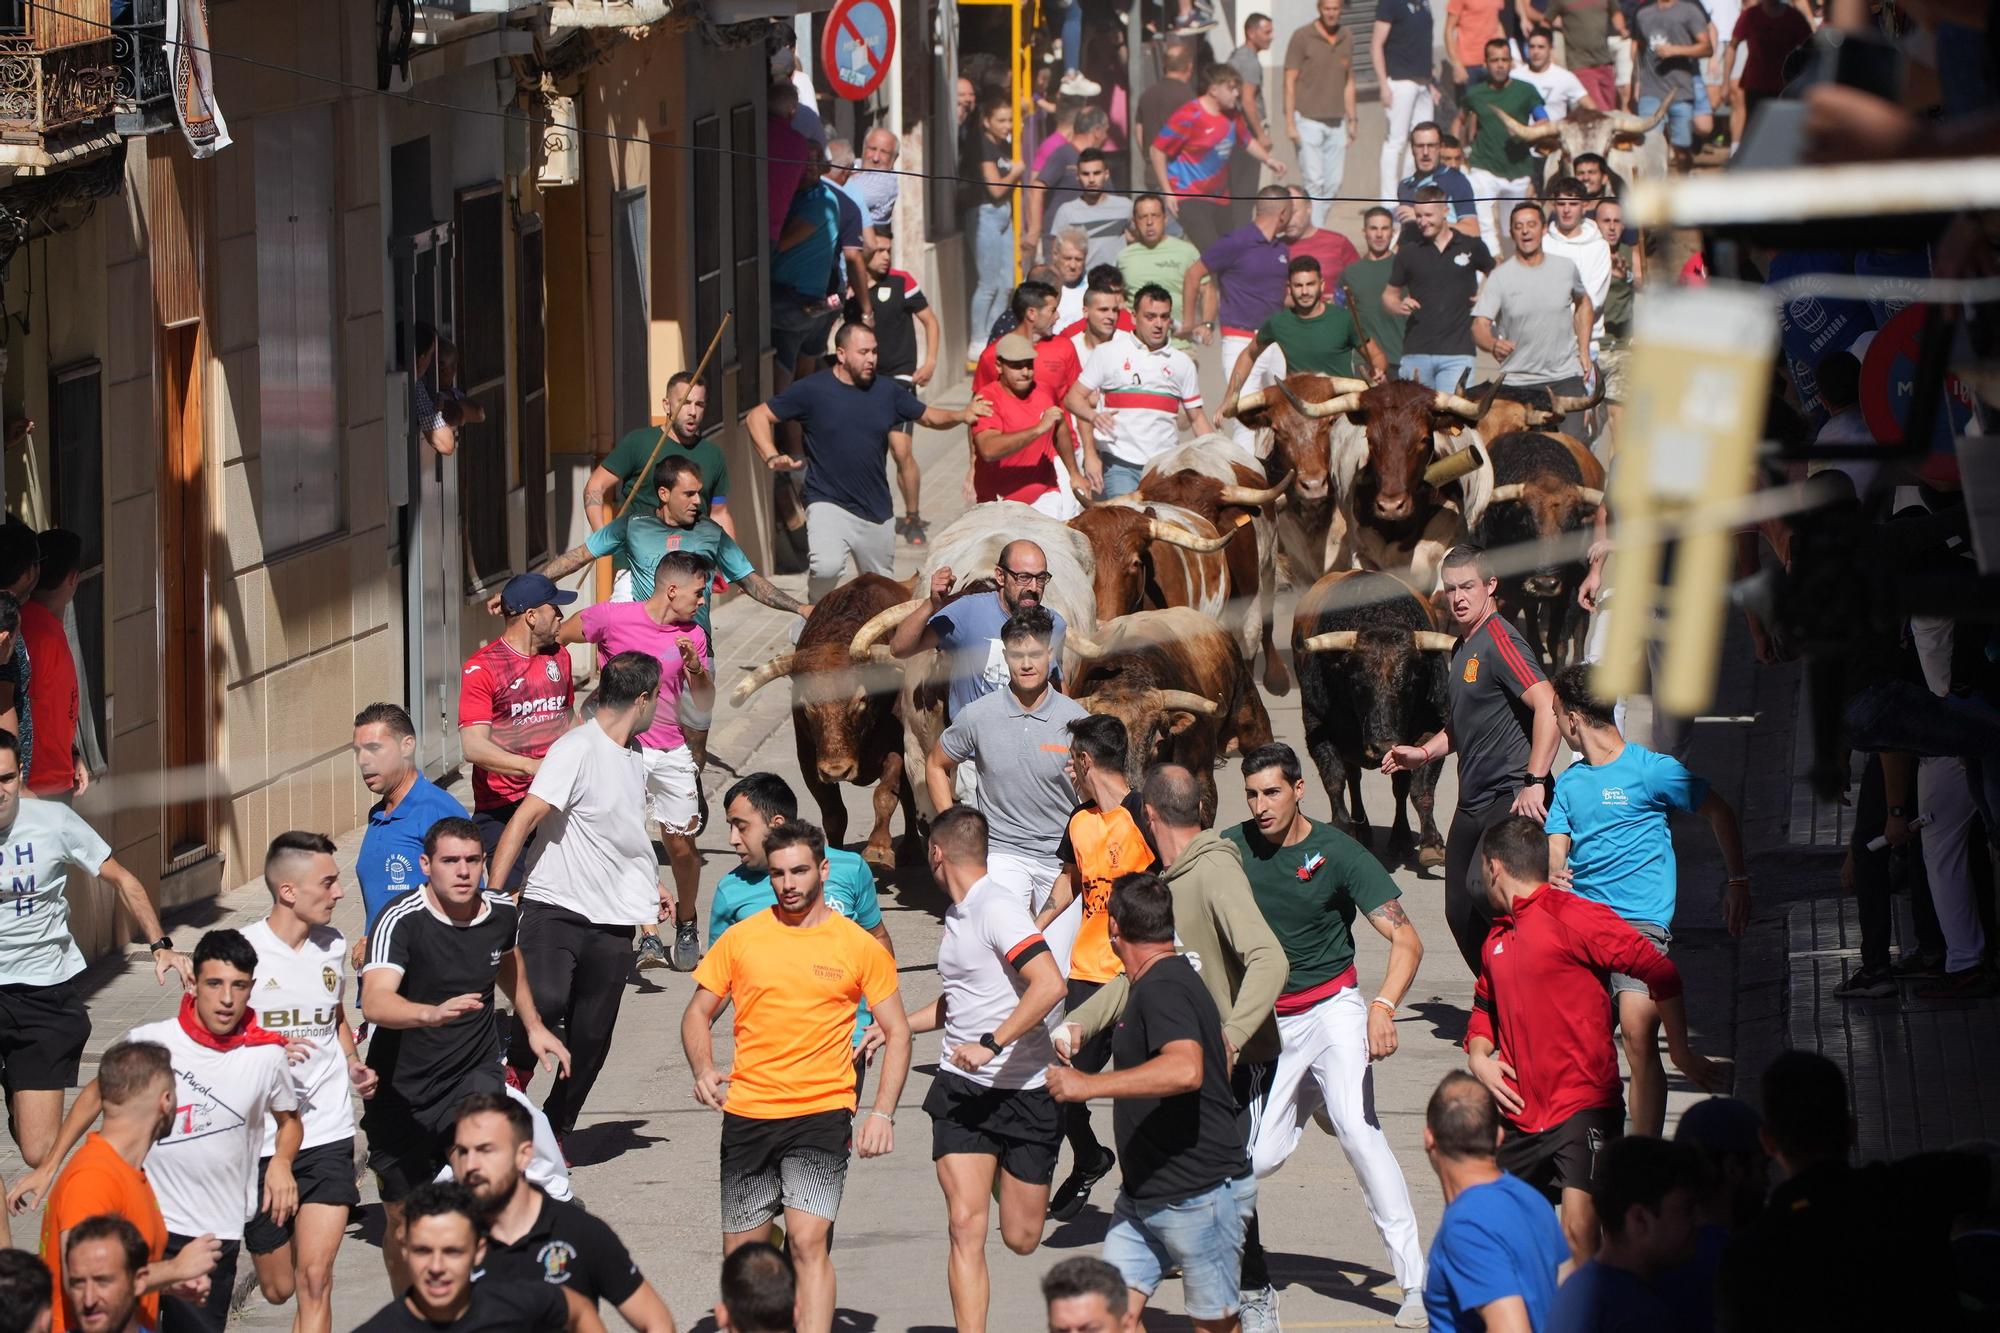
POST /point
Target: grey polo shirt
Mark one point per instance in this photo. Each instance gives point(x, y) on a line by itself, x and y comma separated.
point(1023, 792)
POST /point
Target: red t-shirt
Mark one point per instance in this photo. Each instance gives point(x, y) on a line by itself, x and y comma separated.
point(1333, 251)
point(1769, 37)
point(526, 700)
point(1028, 473)
point(54, 703)
point(1056, 366)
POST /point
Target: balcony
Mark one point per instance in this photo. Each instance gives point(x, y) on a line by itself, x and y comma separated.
point(145, 76)
point(57, 76)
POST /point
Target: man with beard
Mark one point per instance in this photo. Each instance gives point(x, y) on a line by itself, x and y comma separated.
point(685, 406)
point(968, 630)
point(533, 1238)
point(852, 420)
point(103, 1261)
point(446, 1241)
point(136, 1083)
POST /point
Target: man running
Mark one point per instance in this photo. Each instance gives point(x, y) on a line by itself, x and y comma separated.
point(1311, 334)
point(968, 629)
point(1017, 740)
point(1310, 880)
point(851, 417)
point(1502, 725)
point(1534, 315)
point(1540, 1034)
point(1144, 390)
point(515, 697)
point(663, 628)
point(1500, 166)
point(1107, 838)
point(591, 874)
point(1609, 842)
point(43, 1021)
point(301, 989)
point(760, 1291)
point(1190, 155)
point(531, 1237)
point(795, 974)
point(427, 990)
point(1022, 452)
point(684, 404)
point(442, 1233)
point(390, 862)
point(1433, 281)
point(995, 1131)
point(1363, 281)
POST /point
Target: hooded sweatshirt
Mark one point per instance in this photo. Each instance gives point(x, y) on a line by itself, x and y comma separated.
point(1592, 257)
point(1216, 921)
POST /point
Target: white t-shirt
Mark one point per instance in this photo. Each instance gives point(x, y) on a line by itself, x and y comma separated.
point(986, 937)
point(1069, 303)
point(591, 854)
point(47, 838)
point(204, 1172)
point(1559, 88)
point(299, 993)
point(1592, 257)
point(1147, 391)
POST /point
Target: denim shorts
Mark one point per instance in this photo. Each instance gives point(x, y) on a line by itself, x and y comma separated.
point(1680, 116)
point(1120, 477)
point(1660, 938)
point(1202, 1235)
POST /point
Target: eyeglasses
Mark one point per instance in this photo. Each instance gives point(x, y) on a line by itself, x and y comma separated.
point(1033, 580)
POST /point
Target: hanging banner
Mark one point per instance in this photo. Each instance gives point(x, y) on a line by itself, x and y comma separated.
point(195, 106)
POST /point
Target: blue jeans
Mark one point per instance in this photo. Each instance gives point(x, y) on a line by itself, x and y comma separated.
point(1439, 372)
point(991, 227)
point(1322, 162)
point(1680, 116)
point(1072, 36)
point(1120, 477)
point(1202, 1235)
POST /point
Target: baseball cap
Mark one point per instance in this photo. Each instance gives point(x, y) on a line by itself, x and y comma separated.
point(1013, 347)
point(1721, 1124)
point(525, 592)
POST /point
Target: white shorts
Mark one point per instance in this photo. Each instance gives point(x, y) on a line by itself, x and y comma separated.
point(621, 586)
point(1033, 877)
point(547, 1168)
point(671, 778)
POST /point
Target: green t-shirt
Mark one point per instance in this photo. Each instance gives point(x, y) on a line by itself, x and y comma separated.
point(1313, 916)
point(1166, 264)
point(1618, 301)
point(1493, 149)
point(629, 455)
point(642, 539)
point(1324, 344)
point(1364, 280)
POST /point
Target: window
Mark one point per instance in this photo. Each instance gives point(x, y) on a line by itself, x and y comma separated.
point(705, 196)
point(298, 407)
point(532, 375)
point(631, 324)
point(76, 451)
point(937, 109)
point(481, 379)
point(747, 242)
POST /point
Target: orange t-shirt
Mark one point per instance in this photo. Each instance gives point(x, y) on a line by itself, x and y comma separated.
point(795, 989)
point(97, 1180)
point(1479, 22)
point(1103, 845)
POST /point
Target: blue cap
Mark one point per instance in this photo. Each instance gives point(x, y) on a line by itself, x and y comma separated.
point(525, 592)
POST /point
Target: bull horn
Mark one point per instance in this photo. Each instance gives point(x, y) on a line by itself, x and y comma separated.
point(1531, 133)
point(1513, 490)
point(1332, 407)
point(1457, 406)
point(1333, 641)
point(1081, 645)
point(1624, 122)
point(1430, 641)
point(1570, 402)
point(1342, 384)
point(775, 669)
point(882, 622)
point(1590, 495)
point(1254, 499)
point(1173, 534)
point(1248, 402)
point(1453, 466)
point(1187, 701)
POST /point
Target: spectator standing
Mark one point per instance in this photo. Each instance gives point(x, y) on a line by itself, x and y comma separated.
point(1023, 449)
point(1155, 258)
point(1766, 32)
point(1145, 391)
point(1534, 316)
point(1589, 29)
point(1429, 168)
point(56, 706)
point(1468, 26)
point(1058, 176)
point(876, 181)
point(1248, 271)
point(803, 260)
point(1362, 283)
point(1626, 273)
point(989, 221)
point(390, 862)
point(851, 278)
point(1645, 1201)
point(1106, 219)
point(1192, 150)
point(1400, 42)
point(1560, 88)
point(1069, 253)
point(1432, 284)
point(1302, 239)
point(967, 629)
point(1320, 112)
point(685, 405)
point(1173, 90)
point(900, 306)
point(1248, 61)
point(20, 571)
point(1497, 1251)
point(1499, 166)
point(1670, 40)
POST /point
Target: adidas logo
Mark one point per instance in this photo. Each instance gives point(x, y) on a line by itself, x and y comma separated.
point(272, 984)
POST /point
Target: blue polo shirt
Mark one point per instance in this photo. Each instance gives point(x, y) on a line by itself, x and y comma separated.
point(390, 862)
point(1621, 851)
point(1457, 189)
point(1495, 1240)
point(849, 890)
point(1252, 270)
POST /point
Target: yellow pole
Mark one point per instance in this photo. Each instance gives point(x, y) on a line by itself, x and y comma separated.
point(1024, 97)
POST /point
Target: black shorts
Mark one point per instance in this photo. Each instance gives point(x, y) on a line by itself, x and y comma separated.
point(1563, 1156)
point(492, 823)
point(42, 1032)
point(1093, 1055)
point(325, 1174)
point(798, 1162)
point(409, 1144)
point(1020, 1126)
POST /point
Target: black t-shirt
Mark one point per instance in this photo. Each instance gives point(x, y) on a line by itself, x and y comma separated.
point(897, 301)
point(1490, 725)
point(847, 437)
point(439, 960)
point(1159, 102)
point(1407, 50)
point(1180, 1146)
point(497, 1307)
point(1444, 283)
point(566, 1247)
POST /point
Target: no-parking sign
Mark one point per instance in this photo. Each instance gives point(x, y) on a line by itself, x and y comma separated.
point(860, 42)
point(1888, 385)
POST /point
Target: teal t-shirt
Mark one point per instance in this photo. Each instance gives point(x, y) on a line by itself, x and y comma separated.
point(1309, 893)
point(1621, 851)
point(850, 891)
point(1493, 149)
point(643, 539)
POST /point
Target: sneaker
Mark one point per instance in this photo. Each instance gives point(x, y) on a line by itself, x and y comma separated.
point(1075, 85)
point(687, 947)
point(1974, 983)
point(1259, 1310)
point(652, 953)
point(1918, 967)
point(1410, 1314)
point(1074, 1192)
point(912, 530)
point(1868, 983)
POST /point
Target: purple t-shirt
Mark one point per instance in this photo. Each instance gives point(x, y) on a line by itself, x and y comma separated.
point(626, 627)
point(1251, 270)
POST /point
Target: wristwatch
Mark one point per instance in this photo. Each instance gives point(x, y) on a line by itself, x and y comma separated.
point(990, 1044)
point(164, 942)
point(1899, 812)
point(1547, 781)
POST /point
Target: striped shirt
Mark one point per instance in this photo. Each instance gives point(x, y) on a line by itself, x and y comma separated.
point(1490, 722)
point(1198, 144)
point(1148, 391)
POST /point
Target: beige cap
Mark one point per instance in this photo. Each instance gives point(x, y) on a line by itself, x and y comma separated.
point(1013, 347)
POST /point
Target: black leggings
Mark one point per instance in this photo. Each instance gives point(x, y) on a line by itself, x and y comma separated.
point(179, 1316)
point(577, 973)
point(1465, 910)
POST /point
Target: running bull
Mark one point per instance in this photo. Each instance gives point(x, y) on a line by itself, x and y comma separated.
point(1547, 489)
point(1627, 143)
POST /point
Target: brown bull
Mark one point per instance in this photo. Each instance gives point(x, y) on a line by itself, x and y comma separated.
point(1301, 445)
point(1546, 493)
point(1155, 555)
point(1177, 681)
point(844, 712)
point(1522, 407)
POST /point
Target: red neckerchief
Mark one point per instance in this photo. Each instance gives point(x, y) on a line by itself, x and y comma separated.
point(247, 1032)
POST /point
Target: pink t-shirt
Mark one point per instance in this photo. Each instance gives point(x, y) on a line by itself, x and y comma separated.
point(626, 627)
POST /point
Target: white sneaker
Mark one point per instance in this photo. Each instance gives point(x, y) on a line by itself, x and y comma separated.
point(1410, 1314)
point(1258, 1310)
point(1075, 85)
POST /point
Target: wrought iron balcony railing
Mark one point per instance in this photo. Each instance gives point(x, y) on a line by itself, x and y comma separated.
point(56, 67)
point(139, 49)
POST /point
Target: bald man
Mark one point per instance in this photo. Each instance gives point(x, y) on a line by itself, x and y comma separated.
point(969, 628)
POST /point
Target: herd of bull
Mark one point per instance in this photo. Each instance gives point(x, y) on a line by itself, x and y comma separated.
point(1168, 595)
